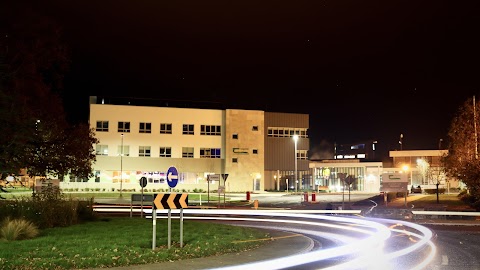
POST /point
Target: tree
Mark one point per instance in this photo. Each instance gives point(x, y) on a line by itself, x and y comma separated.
point(423, 167)
point(462, 161)
point(35, 132)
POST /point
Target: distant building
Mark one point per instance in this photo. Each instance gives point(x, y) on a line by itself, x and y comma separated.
point(366, 175)
point(364, 150)
point(253, 150)
point(143, 138)
point(424, 168)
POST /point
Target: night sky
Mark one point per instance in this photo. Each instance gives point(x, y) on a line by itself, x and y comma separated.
point(362, 69)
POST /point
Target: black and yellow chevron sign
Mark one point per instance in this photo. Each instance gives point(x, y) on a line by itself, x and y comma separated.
point(170, 200)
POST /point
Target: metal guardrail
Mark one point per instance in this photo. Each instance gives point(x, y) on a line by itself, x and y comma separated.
point(381, 212)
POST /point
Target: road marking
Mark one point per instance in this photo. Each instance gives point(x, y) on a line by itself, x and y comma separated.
point(444, 260)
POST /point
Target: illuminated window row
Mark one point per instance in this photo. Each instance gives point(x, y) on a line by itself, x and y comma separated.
point(145, 151)
point(282, 132)
point(210, 153)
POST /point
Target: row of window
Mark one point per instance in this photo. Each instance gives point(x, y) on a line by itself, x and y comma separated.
point(145, 151)
point(287, 132)
point(165, 128)
point(187, 152)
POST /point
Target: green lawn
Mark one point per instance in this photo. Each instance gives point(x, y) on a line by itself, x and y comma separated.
point(123, 241)
point(450, 200)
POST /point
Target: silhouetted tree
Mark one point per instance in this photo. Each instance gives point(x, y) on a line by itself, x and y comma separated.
point(34, 131)
point(462, 161)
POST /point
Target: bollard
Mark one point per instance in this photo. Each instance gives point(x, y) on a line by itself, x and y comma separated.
point(314, 196)
point(248, 195)
point(305, 196)
point(255, 204)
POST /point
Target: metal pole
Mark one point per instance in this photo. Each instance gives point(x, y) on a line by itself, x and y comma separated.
point(278, 180)
point(154, 222)
point(169, 227)
point(141, 205)
point(181, 227)
point(295, 138)
point(121, 168)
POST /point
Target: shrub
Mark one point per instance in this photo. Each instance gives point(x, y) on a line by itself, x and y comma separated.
point(48, 208)
point(18, 229)
point(434, 190)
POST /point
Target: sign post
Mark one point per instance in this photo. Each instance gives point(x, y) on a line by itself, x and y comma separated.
point(394, 182)
point(224, 176)
point(212, 177)
point(172, 180)
point(143, 183)
point(169, 201)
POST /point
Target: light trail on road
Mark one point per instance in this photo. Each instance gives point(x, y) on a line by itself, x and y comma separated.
point(360, 241)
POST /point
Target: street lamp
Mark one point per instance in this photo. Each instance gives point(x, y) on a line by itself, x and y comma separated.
point(276, 183)
point(401, 141)
point(406, 168)
point(121, 168)
point(295, 139)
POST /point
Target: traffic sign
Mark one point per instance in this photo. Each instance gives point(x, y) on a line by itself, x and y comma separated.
point(170, 201)
point(213, 177)
point(142, 198)
point(143, 181)
point(172, 177)
point(225, 176)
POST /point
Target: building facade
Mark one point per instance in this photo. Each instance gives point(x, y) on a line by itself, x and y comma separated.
point(244, 146)
point(424, 168)
point(366, 176)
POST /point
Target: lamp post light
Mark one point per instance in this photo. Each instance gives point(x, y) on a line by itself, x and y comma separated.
point(401, 141)
point(275, 180)
point(406, 168)
point(295, 139)
point(121, 168)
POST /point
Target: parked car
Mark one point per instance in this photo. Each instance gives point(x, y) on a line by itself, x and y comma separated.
point(417, 189)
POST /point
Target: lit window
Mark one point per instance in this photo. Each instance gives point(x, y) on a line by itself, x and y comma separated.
point(165, 152)
point(144, 151)
point(210, 152)
point(101, 150)
point(187, 152)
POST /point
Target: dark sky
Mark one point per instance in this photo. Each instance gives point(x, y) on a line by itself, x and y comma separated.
point(361, 69)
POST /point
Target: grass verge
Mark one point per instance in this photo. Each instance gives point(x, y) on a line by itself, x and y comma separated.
point(121, 241)
point(451, 201)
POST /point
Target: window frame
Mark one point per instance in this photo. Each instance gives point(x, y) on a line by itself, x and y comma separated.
point(144, 151)
point(166, 128)
point(102, 126)
point(188, 129)
point(123, 127)
point(147, 127)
